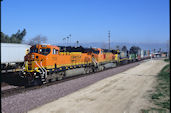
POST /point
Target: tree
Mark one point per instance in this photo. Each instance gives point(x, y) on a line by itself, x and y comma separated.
point(154, 50)
point(124, 48)
point(4, 38)
point(37, 40)
point(117, 47)
point(134, 49)
point(160, 50)
point(14, 38)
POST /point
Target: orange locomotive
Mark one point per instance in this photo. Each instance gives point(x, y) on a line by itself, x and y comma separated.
point(48, 63)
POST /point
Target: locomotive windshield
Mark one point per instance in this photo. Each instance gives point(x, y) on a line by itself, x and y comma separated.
point(42, 51)
point(96, 52)
point(33, 50)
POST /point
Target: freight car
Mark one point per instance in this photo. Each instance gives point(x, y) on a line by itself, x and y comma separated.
point(123, 57)
point(12, 55)
point(132, 57)
point(47, 63)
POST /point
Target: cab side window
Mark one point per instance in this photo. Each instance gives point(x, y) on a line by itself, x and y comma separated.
point(54, 51)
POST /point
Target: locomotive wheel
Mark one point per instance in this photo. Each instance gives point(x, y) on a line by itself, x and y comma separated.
point(53, 79)
point(34, 82)
point(60, 75)
point(91, 70)
point(87, 70)
point(102, 68)
point(50, 80)
point(95, 70)
point(37, 82)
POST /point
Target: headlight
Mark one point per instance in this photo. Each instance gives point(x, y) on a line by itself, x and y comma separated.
point(35, 68)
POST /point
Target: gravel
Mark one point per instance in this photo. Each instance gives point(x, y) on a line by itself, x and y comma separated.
point(26, 101)
point(7, 87)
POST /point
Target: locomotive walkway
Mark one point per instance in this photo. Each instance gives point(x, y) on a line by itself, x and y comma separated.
point(29, 100)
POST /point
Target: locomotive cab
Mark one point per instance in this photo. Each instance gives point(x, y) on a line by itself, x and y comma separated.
point(38, 56)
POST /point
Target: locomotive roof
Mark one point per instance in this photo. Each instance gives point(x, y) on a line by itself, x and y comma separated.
point(44, 45)
point(75, 49)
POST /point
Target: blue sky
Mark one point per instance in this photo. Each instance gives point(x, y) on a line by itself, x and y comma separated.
point(133, 21)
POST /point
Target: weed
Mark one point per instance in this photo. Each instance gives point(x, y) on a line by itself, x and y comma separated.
point(161, 96)
point(166, 60)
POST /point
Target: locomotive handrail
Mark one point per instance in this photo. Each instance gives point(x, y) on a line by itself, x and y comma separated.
point(95, 62)
point(39, 66)
point(44, 70)
point(26, 65)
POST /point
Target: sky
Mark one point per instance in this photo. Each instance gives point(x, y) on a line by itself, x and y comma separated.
point(131, 21)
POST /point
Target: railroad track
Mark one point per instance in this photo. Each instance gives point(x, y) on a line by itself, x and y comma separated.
point(14, 91)
point(22, 89)
point(11, 70)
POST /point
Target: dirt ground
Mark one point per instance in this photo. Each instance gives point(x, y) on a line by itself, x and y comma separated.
point(123, 93)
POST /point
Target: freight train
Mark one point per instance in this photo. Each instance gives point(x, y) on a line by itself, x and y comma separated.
point(46, 63)
point(12, 55)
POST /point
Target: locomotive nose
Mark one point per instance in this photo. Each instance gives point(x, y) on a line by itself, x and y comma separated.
point(31, 57)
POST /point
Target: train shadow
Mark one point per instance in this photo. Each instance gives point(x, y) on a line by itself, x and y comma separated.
point(12, 79)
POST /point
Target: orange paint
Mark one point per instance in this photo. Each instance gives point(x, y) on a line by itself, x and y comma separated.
point(51, 57)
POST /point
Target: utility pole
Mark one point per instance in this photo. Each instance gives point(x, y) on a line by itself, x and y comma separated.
point(109, 39)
